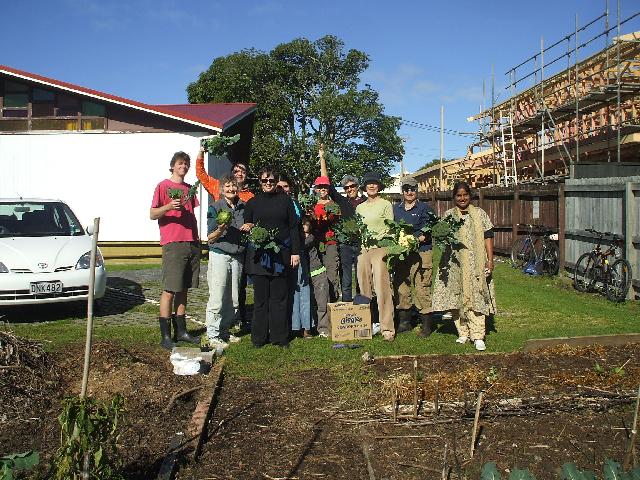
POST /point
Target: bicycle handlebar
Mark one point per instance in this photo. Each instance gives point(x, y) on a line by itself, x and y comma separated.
point(531, 226)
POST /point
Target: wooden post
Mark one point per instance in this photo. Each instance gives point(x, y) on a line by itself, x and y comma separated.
point(415, 388)
point(481, 199)
point(630, 214)
point(92, 282)
point(515, 213)
point(561, 226)
point(474, 431)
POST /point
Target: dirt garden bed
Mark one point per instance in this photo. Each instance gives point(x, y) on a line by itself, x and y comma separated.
point(30, 397)
point(563, 407)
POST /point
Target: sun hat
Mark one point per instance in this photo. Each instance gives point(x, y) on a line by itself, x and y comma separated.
point(372, 177)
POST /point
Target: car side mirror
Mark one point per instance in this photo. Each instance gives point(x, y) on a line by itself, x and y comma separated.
point(89, 229)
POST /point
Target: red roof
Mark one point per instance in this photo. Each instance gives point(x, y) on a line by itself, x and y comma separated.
point(214, 116)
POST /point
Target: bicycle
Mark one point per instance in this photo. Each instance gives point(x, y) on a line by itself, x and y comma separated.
point(594, 272)
point(545, 257)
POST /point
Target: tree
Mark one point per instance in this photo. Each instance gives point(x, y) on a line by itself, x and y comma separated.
point(307, 92)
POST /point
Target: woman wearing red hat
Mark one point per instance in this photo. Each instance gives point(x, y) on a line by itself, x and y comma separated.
point(326, 214)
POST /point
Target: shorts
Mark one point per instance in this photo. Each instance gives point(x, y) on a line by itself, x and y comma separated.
point(180, 266)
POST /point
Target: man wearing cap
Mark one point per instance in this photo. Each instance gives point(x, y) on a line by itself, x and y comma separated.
point(372, 266)
point(348, 253)
point(412, 276)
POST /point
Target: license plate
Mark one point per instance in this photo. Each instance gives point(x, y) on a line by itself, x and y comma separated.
point(46, 287)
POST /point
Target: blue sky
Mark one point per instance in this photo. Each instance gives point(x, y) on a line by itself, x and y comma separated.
point(424, 54)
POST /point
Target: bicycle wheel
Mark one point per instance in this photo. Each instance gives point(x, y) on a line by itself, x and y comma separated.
point(521, 253)
point(618, 280)
point(550, 258)
point(584, 273)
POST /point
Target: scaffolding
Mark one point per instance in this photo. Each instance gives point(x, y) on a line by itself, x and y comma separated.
point(586, 112)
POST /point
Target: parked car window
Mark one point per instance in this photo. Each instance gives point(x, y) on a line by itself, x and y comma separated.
point(38, 219)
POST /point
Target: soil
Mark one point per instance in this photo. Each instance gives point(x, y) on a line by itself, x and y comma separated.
point(569, 410)
point(143, 375)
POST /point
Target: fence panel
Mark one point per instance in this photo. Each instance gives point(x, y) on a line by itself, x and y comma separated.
point(606, 205)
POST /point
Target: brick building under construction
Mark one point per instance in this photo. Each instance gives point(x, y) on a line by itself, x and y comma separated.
point(586, 114)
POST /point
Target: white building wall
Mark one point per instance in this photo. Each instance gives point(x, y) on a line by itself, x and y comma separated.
point(106, 175)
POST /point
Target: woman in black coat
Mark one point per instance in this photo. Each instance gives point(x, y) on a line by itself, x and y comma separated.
point(272, 210)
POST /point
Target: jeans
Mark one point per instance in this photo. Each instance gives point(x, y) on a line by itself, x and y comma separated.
point(223, 277)
point(301, 292)
point(348, 260)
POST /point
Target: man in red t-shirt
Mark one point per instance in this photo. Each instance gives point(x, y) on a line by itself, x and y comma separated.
point(173, 207)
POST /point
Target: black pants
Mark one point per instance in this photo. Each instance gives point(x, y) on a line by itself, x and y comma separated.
point(241, 317)
point(270, 322)
point(348, 260)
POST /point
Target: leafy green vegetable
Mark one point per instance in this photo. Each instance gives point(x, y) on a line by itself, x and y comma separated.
point(399, 241)
point(443, 236)
point(353, 231)
point(307, 202)
point(219, 145)
point(224, 217)
point(17, 461)
point(263, 239)
point(332, 208)
point(175, 193)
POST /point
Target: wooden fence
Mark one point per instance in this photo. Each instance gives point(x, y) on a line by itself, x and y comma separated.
point(510, 206)
point(604, 204)
point(607, 205)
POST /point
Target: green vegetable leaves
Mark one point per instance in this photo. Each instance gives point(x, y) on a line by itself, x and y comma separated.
point(224, 217)
point(353, 231)
point(219, 145)
point(175, 193)
point(263, 239)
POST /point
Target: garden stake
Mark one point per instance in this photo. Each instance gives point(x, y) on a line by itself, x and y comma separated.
point(632, 438)
point(436, 401)
point(415, 388)
point(474, 431)
point(444, 463)
point(394, 400)
point(92, 283)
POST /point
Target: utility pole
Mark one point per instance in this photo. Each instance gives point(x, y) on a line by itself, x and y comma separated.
point(441, 143)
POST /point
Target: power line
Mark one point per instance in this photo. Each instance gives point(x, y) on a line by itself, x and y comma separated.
point(434, 128)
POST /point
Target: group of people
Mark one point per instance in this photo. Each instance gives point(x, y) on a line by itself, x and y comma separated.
point(293, 284)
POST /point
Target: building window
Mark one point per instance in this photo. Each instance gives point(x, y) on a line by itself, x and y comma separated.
point(24, 108)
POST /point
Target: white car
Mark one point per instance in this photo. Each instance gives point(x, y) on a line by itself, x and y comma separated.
point(45, 254)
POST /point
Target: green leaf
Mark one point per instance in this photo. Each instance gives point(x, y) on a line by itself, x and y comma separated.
point(570, 472)
point(521, 475)
point(6, 473)
point(97, 456)
point(490, 472)
point(612, 470)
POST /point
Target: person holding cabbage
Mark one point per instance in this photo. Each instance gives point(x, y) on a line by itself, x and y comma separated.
point(463, 282)
point(412, 276)
point(226, 262)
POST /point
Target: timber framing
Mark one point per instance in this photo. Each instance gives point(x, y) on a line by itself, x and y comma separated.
point(589, 112)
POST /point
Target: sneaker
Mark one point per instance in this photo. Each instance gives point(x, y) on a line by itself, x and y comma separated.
point(388, 336)
point(306, 334)
point(234, 339)
point(479, 344)
point(323, 334)
point(462, 339)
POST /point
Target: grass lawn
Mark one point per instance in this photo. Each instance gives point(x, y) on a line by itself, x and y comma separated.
point(528, 307)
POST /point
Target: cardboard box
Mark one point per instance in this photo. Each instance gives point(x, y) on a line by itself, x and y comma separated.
point(349, 321)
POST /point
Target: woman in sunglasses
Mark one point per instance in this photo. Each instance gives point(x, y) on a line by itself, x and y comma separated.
point(273, 210)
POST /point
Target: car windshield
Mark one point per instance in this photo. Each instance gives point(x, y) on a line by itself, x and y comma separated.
point(38, 219)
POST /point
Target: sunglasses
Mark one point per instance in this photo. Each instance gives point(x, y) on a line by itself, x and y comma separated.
point(409, 189)
point(350, 187)
point(268, 180)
